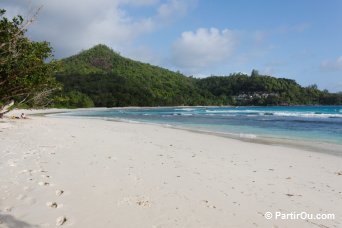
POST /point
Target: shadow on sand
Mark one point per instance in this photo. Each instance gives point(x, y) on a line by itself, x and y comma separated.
point(11, 222)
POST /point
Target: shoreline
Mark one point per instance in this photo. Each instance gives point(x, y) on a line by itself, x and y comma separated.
point(92, 172)
point(318, 147)
point(309, 145)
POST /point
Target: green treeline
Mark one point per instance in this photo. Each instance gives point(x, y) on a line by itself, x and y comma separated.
point(101, 77)
point(242, 89)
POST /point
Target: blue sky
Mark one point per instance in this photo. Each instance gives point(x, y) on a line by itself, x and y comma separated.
point(299, 39)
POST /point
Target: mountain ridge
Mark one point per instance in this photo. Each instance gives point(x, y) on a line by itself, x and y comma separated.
point(103, 77)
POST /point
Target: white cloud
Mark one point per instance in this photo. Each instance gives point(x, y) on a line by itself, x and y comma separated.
point(333, 65)
point(203, 48)
point(168, 9)
point(74, 25)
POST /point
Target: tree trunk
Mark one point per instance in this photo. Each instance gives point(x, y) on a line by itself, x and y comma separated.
point(5, 109)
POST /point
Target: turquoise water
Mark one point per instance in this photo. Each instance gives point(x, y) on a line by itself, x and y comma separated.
point(311, 123)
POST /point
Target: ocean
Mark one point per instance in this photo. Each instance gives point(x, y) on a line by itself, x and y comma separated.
point(308, 123)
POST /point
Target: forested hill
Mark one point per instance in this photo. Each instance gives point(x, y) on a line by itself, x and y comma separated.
point(101, 77)
point(112, 80)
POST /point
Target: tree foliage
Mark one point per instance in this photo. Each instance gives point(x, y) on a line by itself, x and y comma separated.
point(24, 74)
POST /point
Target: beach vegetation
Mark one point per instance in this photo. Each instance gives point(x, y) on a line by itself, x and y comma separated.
point(26, 68)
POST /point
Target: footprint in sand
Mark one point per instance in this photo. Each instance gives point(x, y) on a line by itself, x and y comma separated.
point(208, 205)
point(141, 201)
point(52, 204)
point(61, 220)
point(59, 192)
point(138, 200)
point(42, 183)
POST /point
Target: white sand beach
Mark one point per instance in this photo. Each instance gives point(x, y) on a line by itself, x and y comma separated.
point(74, 172)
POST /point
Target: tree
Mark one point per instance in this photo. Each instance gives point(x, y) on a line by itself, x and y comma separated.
point(254, 73)
point(25, 76)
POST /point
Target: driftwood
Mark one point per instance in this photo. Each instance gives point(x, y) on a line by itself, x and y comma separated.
point(6, 108)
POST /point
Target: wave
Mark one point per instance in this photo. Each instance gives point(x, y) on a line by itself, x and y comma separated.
point(185, 109)
point(130, 121)
point(274, 113)
point(247, 136)
point(216, 114)
point(307, 115)
point(187, 114)
point(231, 111)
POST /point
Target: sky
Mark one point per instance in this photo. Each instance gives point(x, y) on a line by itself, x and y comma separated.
point(297, 39)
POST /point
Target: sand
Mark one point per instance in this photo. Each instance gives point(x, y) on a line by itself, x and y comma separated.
point(74, 172)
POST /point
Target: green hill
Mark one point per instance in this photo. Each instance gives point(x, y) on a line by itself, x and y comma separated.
point(101, 77)
point(112, 80)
